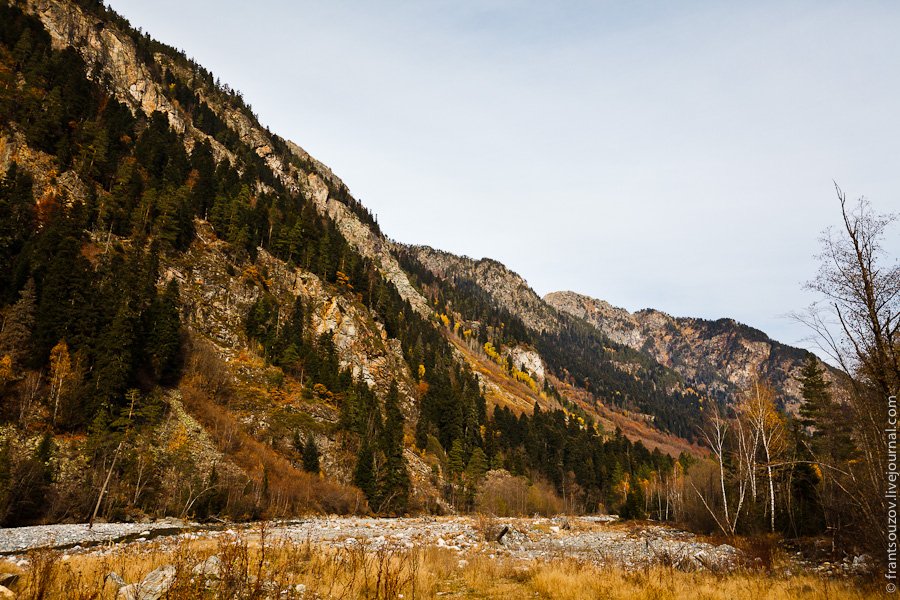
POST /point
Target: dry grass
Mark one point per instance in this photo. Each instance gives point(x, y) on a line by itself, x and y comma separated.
point(256, 566)
point(289, 490)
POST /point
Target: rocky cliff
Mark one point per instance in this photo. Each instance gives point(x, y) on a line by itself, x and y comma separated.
point(719, 357)
point(455, 336)
point(507, 288)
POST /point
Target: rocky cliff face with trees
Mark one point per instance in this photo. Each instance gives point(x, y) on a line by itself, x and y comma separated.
point(200, 320)
point(194, 308)
point(720, 358)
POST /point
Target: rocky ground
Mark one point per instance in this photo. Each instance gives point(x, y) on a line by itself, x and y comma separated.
point(595, 539)
point(18, 540)
point(599, 539)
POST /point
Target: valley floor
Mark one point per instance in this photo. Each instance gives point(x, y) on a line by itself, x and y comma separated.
point(574, 557)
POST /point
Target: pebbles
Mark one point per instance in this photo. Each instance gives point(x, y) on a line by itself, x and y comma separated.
point(20, 539)
point(584, 538)
point(526, 539)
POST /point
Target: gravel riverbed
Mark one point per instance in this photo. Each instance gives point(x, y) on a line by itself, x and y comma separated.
point(596, 539)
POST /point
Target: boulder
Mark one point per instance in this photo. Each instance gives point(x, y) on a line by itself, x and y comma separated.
point(153, 587)
point(116, 579)
point(210, 568)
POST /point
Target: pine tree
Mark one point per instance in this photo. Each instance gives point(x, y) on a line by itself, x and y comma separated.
point(310, 455)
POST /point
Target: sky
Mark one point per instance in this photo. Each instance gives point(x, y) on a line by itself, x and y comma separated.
point(674, 155)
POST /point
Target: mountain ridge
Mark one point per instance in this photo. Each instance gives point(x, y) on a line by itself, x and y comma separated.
point(732, 354)
point(219, 274)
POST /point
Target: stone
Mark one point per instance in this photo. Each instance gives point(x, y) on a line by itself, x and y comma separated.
point(210, 568)
point(6, 593)
point(116, 579)
point(153, 587)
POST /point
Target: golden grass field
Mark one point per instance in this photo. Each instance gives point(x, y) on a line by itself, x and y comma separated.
point(256, 566)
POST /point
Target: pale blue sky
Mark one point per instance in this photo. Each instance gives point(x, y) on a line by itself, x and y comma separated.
point(672, 155)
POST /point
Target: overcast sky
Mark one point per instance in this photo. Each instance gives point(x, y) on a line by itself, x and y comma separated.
point(672, 155)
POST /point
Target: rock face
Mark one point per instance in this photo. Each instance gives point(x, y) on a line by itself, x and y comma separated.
point(365, 241)
point(530, 361)
point(718, 357)
point(507, 288)
point(217, 295)
point(100, 45)
point(67, 186)
point(217, 290)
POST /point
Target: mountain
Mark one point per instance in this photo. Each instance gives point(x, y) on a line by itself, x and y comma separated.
point(193, 307)
point(720, 357)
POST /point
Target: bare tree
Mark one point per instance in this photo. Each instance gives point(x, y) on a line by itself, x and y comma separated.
point(856, 324)
point(857, 321)
point(716, 436)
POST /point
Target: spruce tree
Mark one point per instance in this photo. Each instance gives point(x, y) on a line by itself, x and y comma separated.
point(114, 358)
point(394, 480)
point(364, 475)
point(18, 323)
point(815, 392)
point(164, 339)
point(310, 455)
point(830, 430)
point(457, 458)
point(289, 345)
point(16, 223)
point(478, 465)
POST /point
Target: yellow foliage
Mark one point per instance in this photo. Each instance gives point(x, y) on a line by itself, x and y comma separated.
point(525, 378)
point(179, 440)
point(6, 370)
point(251, 274)
point(493, 354)
point(421, 372)
point(322, 392)
point(343, 280)
point(445, 320)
